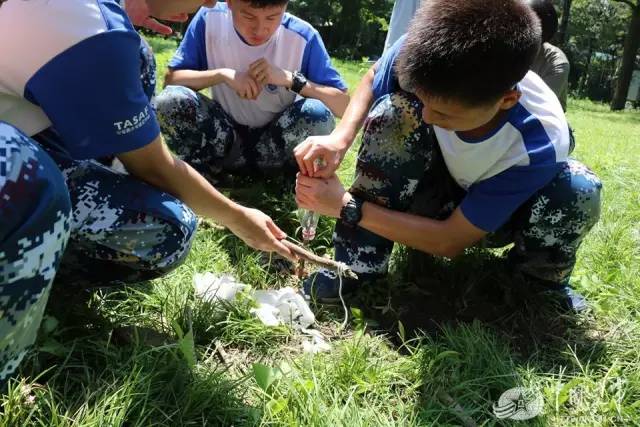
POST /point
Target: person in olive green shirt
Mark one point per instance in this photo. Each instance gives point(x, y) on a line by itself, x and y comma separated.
point(550, 63)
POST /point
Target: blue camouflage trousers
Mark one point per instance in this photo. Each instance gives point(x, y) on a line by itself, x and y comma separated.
point(35, 213)
point(400, 167)
point(122, 229)
point(116, 228)
point(204, 135)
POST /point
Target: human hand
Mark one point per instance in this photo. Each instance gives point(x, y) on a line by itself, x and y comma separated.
point(325, 196)
point(140, 13)
point(265, 73)
point(259, 231)
point(245, 86)
point(320, 156)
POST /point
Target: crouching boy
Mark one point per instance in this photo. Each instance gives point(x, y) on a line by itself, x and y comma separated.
point(453, 110)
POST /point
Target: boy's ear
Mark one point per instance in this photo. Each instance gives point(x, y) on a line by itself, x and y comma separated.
point(510, 99)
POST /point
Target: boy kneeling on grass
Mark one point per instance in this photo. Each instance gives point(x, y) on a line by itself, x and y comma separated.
point(272, 85)
point(76, 88)
point(452, 109)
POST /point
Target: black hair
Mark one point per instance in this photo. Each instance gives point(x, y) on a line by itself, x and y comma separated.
point(470, 51)
point(548, 16)
point(266, 3)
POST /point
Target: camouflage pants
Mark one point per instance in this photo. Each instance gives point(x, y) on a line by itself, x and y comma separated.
point(34, 229)
point(400, 166)
point(199, 131)
point(122, 229)
point(91, 225)
point(116, 229)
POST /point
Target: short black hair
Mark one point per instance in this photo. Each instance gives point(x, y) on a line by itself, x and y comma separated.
point(259, 4)
point(548, 16)
point(470, 51)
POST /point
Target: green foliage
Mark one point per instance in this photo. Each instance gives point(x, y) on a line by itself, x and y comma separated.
point(352, 29)
point(596, 37)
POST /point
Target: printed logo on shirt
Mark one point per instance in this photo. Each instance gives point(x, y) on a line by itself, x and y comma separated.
point(132, 123)
point(271, 88)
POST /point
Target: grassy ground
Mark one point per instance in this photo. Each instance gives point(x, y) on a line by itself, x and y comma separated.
point(152, 354)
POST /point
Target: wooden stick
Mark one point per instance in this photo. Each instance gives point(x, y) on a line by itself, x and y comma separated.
point(457, 409)
point(308, 256)
point(224, 357)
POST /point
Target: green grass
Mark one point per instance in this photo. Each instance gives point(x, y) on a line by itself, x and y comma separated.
point(86, 372)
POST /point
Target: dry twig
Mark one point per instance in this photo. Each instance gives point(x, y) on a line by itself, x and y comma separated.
point(308, 256)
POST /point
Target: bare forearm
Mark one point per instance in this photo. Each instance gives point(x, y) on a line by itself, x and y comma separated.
point(424, 234)
point(186, 184)
point(448, 237)
point(155, 165)
point(356, 112)
point(335, 99)
point(196, 80)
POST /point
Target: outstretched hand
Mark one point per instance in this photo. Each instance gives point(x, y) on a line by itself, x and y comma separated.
point(259, 231)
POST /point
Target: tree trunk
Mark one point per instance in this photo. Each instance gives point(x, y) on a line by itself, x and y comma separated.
point(348, 23)
point(631, 43)
point(583, 84)
point(564, 22)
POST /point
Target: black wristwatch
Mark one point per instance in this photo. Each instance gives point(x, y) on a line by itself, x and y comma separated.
point(298, 81)
point(351, 213)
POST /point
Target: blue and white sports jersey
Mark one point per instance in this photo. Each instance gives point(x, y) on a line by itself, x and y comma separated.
point(504, 169)
point(74, 65)
point(211, 42)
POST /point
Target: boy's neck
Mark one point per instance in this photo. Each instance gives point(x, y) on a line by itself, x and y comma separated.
point(487, 128)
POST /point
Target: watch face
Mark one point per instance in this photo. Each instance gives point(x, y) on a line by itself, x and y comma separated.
point(351, 213)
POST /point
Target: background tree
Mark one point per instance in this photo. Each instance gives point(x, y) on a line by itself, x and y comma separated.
point(631, 43)
point(594, 41)
point(564, 22)
point(352, 29)
point(592, 34)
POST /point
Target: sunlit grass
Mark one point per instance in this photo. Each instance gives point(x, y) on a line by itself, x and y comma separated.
point(84, 373)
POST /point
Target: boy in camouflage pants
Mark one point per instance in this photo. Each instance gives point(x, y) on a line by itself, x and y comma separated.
point(271, 85)
point(35, 216)
point(85, 95)
point(460, 128)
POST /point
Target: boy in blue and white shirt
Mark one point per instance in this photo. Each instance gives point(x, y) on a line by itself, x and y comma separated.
point(456, 114)
point(271, 84)
point(75, 84)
